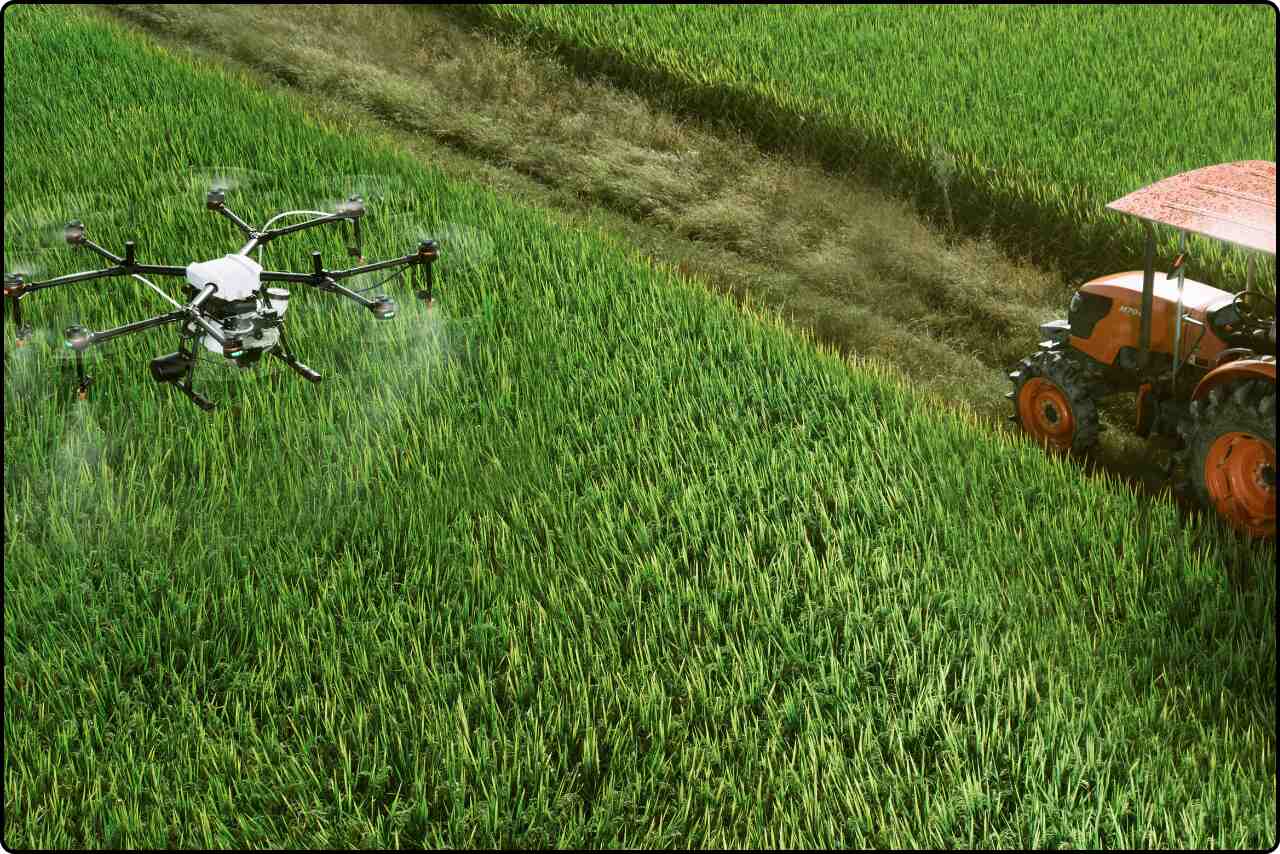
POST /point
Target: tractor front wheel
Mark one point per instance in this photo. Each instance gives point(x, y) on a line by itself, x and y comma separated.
point(1231, 455)
point(1054, 400)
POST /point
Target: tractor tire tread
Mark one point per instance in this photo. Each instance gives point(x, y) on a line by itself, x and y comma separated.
point(1248, 406)
point(1079, 378)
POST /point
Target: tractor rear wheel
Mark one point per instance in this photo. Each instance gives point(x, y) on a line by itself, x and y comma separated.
point(1231, 455)
point(1054, 402)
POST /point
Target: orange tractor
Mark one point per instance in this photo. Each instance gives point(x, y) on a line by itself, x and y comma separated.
point(1201, 361)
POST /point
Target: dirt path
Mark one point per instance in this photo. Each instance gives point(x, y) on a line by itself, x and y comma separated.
point(856, 267)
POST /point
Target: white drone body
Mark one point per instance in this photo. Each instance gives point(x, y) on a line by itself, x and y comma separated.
point(237, 278)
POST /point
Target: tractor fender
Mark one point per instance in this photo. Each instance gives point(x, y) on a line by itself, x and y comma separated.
point(1260, 367)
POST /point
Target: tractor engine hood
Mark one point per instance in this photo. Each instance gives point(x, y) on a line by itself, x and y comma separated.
point(1119, 299)
point(1197, 297)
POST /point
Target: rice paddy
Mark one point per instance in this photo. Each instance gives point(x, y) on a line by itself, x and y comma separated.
point(587, 557)
point(1021, 121)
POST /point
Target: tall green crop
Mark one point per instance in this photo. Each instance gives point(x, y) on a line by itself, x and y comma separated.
point(586, 558)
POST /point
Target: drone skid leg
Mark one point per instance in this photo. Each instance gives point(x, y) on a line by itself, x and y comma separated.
point(196, 397)
point(184, 385)
point(284, 354)
point(22, 333)
point(302, 370)
point(82, 389)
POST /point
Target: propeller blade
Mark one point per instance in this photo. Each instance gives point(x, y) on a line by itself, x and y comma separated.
point(375, 190)
point(462, 247)
point(26, 266)
point(35, 235)
point(199, 180)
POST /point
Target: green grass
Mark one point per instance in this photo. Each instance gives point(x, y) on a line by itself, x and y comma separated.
point(1019, 120)
point(598, 560)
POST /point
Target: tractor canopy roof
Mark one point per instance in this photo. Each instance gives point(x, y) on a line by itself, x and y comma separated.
point(1231, 202)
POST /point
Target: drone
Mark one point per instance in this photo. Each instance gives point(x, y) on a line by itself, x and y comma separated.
point(232, 309)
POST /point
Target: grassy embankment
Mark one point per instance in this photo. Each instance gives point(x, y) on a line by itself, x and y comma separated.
point(596, 561)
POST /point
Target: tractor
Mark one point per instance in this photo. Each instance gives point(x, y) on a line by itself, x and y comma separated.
point(1200, 361)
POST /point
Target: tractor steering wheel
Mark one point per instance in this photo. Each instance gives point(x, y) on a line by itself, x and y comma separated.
point(1249, 316)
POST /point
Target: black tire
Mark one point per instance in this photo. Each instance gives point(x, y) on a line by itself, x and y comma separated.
point(1075, 385)
point(1247, 407)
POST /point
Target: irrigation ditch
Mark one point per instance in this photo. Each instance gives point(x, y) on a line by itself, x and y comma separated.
point(860, 269)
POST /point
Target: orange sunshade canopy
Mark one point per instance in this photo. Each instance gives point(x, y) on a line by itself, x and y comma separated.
point(1232, 202)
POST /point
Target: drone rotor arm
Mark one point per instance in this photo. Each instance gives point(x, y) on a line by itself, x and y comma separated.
point(114, 259)
point(369, 268)
point(324, 279)
point(95, 338)
point(231, 215)
point(72, 278)
point(266, 235)
point(291, 278)
point(106, 273)
point(331, 285)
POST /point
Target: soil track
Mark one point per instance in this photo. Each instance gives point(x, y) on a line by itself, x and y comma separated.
point(856, 267)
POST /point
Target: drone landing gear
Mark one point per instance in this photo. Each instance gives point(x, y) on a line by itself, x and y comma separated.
point(82, 389)
point(178, 369)
point(22, 333)
point(284, 354)
point(196, 397)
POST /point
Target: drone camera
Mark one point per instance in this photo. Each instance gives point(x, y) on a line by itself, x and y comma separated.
point(170, 368)
point(74, 232)
point(383, 308)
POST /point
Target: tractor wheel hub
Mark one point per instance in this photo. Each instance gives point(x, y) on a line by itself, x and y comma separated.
point(1241, 475)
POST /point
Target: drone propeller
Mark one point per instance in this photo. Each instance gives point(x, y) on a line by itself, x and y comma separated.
point(372, 189)
point(27, 376)
point(26, 266)
point(40, 240)
point(244, 190)
point(199, 180)
point(34, 234)
point(462, 247)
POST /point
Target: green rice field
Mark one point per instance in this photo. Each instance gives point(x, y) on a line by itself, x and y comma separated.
point(586, 556)
point(1024, 120)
